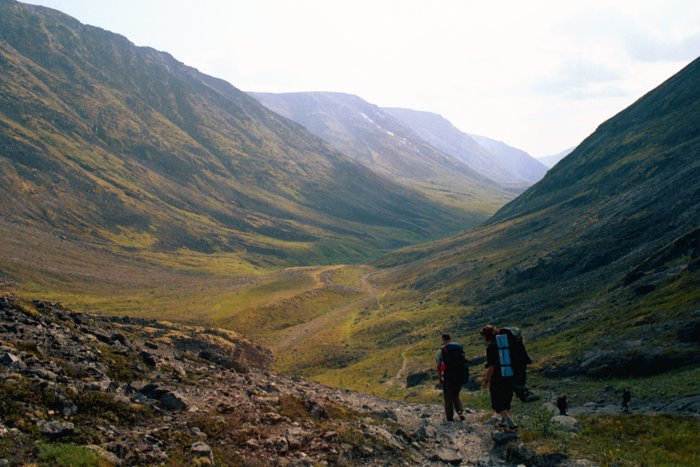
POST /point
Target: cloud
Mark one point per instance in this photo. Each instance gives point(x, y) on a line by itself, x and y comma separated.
point(581, 79)
point(647, 48)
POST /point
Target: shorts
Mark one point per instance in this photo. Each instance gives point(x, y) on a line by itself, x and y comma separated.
point(501, 395)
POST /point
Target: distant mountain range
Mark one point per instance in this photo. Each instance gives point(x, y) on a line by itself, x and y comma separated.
point(379, 141)
point(508, 166)
point(105, 141)
point(551, 161)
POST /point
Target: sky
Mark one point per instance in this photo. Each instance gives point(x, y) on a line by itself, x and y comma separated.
point(538, 75)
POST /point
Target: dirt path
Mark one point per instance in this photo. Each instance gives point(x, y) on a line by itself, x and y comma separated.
point(301, 331)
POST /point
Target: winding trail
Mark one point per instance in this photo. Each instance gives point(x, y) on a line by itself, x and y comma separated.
point(301, 331)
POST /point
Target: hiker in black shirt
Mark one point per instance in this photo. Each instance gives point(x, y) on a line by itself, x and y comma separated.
point(453, 372)
point(499, 376)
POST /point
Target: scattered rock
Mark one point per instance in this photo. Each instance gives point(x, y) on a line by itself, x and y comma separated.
point(567, 422)
point(201, 449)
point(379, 432)
point(280, 445)
point(56, 428)
point(9, 359)
point(148, 358)
point(121, 338)
point(448, 456)
point(522, 454)
point(425, 431)
point(252, 444)
point(503, 437)
point(173, 401)
point(271, 418)
point(103, 454)
point(415, 379)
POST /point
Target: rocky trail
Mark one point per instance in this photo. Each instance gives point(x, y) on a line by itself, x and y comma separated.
point(144, 392)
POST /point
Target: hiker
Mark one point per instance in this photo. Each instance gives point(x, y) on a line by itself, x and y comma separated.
point(520, 360)
point(563, 405)
point(626, 396)
point(453, 372)
point(499, 374)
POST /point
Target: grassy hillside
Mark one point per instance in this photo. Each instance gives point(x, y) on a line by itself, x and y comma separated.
point(107, 142)
point(383, 144)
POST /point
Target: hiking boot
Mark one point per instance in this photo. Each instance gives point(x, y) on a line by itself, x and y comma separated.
point(511, 425)
point(502, 424)
point(461, 415)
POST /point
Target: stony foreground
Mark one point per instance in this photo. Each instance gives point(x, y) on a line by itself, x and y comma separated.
point(145, 392)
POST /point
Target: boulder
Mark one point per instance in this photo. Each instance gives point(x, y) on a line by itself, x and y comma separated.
point(280, 445)
point(56, 428)
point(104, 455)
point(425, 431)
point(567, 422)
point(201, 449)
point(503, 437)
point(271, 418)
point(150, 390)
point(148, 358)
point(414, 379)
point(379, 432)
point(522, 454)
point(448, 456)
point(173, 400)
point(9, 359)
point(121, 338)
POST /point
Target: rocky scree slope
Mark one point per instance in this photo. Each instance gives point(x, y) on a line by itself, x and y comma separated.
point(144, 392)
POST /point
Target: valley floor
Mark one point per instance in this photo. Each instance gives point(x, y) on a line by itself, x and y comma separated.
point(339, 325)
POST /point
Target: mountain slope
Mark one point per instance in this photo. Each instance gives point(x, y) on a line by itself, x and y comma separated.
point(105, 141)
point(609, 237)
point(551, 161)
point(521, 164)
point(377, 140)
point(509, 166)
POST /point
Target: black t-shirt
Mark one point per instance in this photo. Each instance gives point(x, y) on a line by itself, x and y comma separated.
point(492, 359)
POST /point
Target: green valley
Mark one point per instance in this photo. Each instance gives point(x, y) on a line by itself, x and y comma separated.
point(134, 185)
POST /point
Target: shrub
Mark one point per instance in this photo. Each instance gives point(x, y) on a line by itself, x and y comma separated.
point(67, 455)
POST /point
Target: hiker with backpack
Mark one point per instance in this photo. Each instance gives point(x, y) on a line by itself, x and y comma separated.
point(499, 374)
point(520, 360)
point(453, 372)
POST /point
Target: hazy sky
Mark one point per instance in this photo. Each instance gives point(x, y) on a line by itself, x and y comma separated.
point(539, 75)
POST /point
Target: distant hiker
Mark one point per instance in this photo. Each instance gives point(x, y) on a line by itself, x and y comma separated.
point(453, 372)
point(563, 405)
point(520, 361)
point(626, 396)
point(499, 374)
